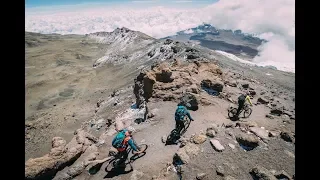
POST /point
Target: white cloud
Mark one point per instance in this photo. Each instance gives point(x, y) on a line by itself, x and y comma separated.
point(270, 19)
point(143, 1)
point(182, 1)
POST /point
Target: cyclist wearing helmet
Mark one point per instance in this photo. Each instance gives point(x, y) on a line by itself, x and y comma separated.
point(121, 142)
point(241, 100)
point(180, 113)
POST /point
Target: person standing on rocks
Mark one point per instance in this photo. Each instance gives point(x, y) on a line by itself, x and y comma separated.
point(241, 101)
point(121, 142)
point(180, 113)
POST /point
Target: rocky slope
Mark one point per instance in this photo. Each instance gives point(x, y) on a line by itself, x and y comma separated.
point(142, 91)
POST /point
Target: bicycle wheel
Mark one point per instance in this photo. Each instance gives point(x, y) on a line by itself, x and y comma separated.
point(172, 135)
point(247, 112)
point(141, 147)
point(187, 123)
point(232, 112)
point(112, 164)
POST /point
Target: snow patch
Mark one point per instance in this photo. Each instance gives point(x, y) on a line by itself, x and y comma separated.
point(188, 31)
point(282, 66)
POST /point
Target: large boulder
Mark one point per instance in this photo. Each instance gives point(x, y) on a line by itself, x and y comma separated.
point(209, 85)
point(183, 155)
point(88, 161)
point(191, 99)
point(138, 90)
point(247, 141)
point(60, 156)
point(164, 76)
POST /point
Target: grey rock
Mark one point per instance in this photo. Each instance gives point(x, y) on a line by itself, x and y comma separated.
point(220, 170)
point(247, 140)
point(263, 100)
point(276, 111)
point(262, 133)
point(231, 146)
point(270, 116)
point(216, 145)
point(245, 86)
point(287, 136)
point(282, 175)
point(274, 133)
point(200, 176)
point(211, 133)
point(229, 178)
point(262, 173)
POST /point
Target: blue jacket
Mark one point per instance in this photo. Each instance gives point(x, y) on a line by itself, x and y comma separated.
point(127, 141)
point(184, 113)
point(132, 145)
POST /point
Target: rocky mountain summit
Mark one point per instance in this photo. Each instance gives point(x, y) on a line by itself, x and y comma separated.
point(142, 91)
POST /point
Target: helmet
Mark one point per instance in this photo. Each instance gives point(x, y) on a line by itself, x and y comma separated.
point(130, 129)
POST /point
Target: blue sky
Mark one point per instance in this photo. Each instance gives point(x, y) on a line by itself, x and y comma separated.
point(41, 3)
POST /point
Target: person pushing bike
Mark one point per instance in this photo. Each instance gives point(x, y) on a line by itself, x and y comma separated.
point(241, 101)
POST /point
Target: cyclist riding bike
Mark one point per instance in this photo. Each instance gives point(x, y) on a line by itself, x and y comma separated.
point(121, 142)
point(241, 101)
point(180, 113)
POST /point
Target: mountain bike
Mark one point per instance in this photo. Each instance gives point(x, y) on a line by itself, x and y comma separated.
point(115, 162)
point(232, 111)
point(174, 133)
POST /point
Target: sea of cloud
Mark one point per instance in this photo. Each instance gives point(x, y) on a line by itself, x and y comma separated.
point(272, 20)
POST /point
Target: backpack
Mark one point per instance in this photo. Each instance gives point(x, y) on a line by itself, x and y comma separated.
point(180, 113)
point(242, 97)
point(117, 141)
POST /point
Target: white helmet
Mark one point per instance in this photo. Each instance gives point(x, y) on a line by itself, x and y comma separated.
point(130, 129)
point(188, 105)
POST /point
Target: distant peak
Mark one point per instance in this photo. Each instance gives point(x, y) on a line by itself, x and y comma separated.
point(123, 29)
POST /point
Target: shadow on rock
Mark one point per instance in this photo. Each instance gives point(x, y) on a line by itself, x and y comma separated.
point(118, 171)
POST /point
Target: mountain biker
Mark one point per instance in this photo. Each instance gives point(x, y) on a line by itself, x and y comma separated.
point(180, 113)
point(121, 142)
point(241, 101)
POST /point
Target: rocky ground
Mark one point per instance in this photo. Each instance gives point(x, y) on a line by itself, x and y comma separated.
point(80, 108)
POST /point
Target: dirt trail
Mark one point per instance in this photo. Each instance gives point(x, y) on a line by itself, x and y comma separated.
point(158, 155)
